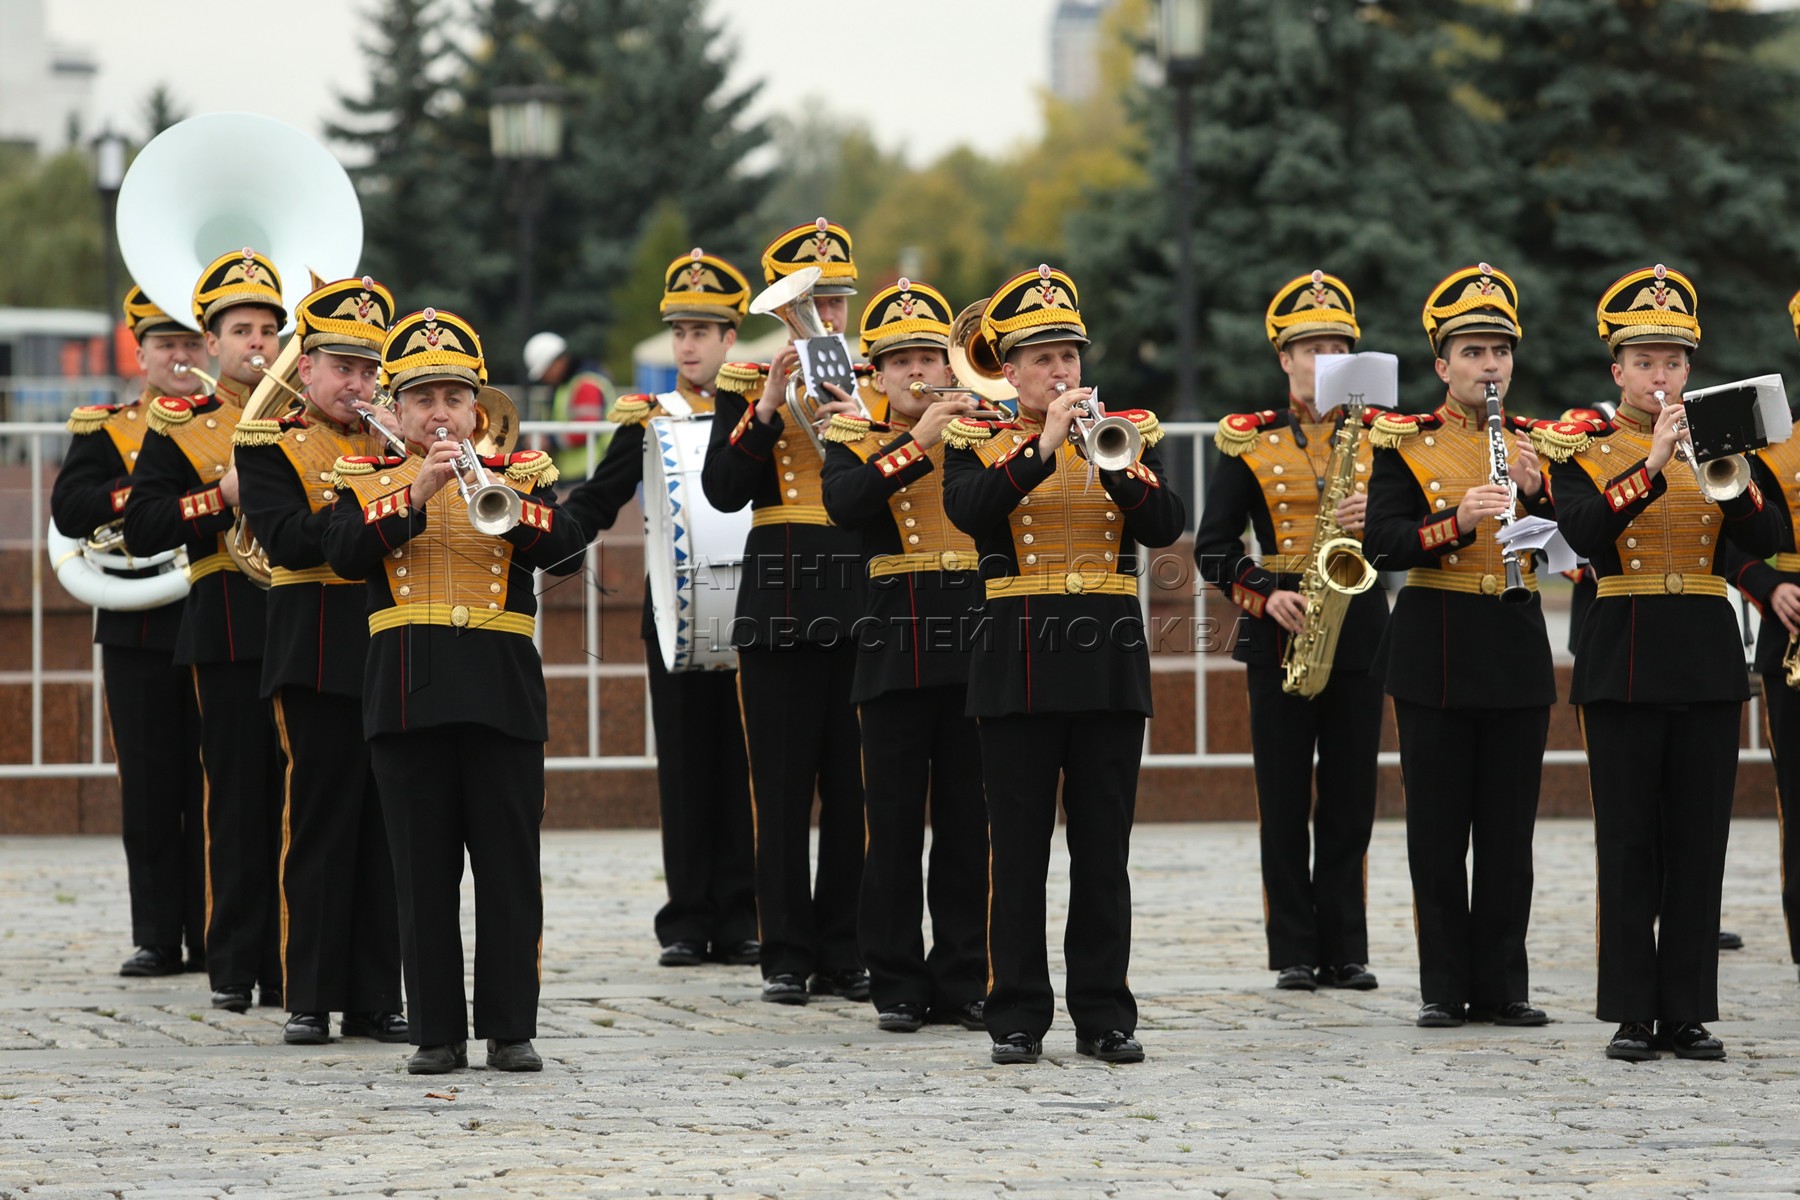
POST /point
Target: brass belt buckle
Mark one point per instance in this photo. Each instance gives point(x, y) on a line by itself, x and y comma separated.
point(1673, 583)
point(1489, 585)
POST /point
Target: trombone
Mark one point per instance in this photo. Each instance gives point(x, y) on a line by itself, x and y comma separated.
point(494, 508)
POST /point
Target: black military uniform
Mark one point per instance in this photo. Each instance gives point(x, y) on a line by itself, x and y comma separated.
point(800, 593)
point(1472, 684)
point(1061, 683)
point(1272, 478)
point(911, 692)
point(1659, 677)
point(454, 706)
point(176, 501)
point(150, 704)
point(340, 934)
point(702, 775)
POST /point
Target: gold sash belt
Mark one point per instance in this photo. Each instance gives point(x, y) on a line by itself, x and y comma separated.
point(457, 616)
point(790, 514)
point(1463, 581)
point(907, 564)
point(1672, 584)
point(1072, 584)
point(282, 577)
point(212, 564)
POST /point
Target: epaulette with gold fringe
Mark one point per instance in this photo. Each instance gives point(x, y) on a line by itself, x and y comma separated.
point(1559, 441)
point(739, 377)
point(631, 410)
point(169, 413)
point(353, 465)
point(845, 428)
point(963, 433)
point(1390, 429)
point(259, 432)
point(1238, 432)
point(1148, 427)
point(91, 418)
point(531, 469)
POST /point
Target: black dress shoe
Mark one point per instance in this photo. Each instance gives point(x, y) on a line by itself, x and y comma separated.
point(307, 1029)
point(967, 1015)
point(784, 989)
point(1017, 1048)
point(1634, 1042)
point(232, 998)
point(851, 984)
point(515, 1055)
point(747, 953)
point(269, 997)
point(438, 1060)
point(1296, 979)
point(1730, 941)
point(1113, 1046)
point(1354, 976)
point(1514, 1012)
point(901, 1018)
point(381, 1026)
point(1692, 1040)
point(682, 954)
point(152, 960)
point(1439, 1016)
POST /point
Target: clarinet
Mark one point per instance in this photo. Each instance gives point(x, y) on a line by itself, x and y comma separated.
point(1516, 592)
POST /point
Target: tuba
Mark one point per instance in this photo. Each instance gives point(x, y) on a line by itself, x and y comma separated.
point(1336, 572)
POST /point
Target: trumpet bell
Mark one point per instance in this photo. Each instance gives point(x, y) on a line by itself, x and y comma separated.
point(1111, 443)
point(789, 299)
point(285, 196)
point(1723, 479)
point(496, 422)
point(494, 508)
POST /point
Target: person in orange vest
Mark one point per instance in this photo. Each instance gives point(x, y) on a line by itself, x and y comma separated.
point(580, 396)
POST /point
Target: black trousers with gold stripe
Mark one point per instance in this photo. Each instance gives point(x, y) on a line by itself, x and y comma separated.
point(801, 730)
point(447, 790)
point(242, 757)
point(1662, 778)
point(340, 930)
point(1315, 904)
point(1471, 775)
point(156, 736)
point(1781, 714)
point(1095, 755)
point(918, 746)
point(703, 786)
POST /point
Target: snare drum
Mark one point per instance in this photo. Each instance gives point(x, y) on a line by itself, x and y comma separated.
point(692, 551)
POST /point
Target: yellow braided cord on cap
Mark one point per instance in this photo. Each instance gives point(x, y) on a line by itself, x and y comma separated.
point(1148, 427)
point(1437, 316)
point(535, 472)
point(89, 418)
point(629, 410)
point(846, 429)
point(961, 434)
point(1794, 312)
point(910, 327)
point(1318, 316)
point(164, 419)
point(1641, 322)
point(1559, 445)
point(1387, 432)
point(256, 433)
point(728, 307)
point(1031, 320)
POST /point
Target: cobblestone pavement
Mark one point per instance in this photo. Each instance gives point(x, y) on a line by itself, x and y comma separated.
point(682, 1083)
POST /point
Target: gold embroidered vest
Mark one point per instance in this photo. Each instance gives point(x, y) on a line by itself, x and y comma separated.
point(1447, 462)
point(1677, 535)
point(1292, 478)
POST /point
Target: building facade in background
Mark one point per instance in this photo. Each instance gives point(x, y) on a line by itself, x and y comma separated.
point(46, 89)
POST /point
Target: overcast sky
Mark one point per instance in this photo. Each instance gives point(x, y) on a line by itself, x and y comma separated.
point(925, 76)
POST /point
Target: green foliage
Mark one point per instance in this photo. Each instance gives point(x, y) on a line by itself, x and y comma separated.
point(50, 224)
point(637, 300)
point(161, 111)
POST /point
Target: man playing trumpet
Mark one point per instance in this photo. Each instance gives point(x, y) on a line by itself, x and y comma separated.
point(149, 697)
point(184, 493)
point(911, 689)
point(340, 941)
point(454, 705)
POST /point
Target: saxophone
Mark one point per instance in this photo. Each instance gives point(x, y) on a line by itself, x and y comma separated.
point(1336, 571)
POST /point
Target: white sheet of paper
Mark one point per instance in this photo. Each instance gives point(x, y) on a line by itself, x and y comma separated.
point(1536, 533)
point(1372, 378)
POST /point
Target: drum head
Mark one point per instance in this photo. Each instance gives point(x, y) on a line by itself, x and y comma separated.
point(692, 551)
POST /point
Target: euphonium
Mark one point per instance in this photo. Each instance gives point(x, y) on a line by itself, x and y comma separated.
point(1336, 571)
point(790, 300)
point(1720, 479)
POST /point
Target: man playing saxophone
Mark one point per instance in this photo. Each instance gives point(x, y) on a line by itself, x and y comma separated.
point(1467, 661)
point(1285, 475)
point(149, 697)
point(184, 493)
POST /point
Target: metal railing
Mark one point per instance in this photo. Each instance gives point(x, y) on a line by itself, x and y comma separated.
point(1185, 455)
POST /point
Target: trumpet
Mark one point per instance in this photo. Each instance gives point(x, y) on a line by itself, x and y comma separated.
point(389, 438)
point(919, 387)
point(1110, 443)
point(1720, 479)
point(494, 508)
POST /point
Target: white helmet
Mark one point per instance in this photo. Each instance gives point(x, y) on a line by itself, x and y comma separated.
point(541, 350)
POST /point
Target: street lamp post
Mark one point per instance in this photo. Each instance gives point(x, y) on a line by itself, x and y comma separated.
point(1180, 45)
point(109, 174)
point(525, 128)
